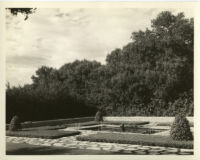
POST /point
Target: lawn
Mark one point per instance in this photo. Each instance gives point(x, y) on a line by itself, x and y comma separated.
point(48, 134)
point(151, 140)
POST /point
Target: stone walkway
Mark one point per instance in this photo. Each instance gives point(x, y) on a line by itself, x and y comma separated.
point(71, 142)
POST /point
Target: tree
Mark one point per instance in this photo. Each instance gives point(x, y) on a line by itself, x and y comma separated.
point(25, 11)
point(150, 76)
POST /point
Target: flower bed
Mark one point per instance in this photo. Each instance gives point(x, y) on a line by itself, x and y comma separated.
point(151, 140)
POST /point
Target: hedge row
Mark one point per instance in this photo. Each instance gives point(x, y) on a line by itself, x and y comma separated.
point(55, 122)
point(170, 123)
point(151, 140)
point(47, 134)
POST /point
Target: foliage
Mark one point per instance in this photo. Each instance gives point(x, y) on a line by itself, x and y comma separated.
point(184, 104)
point(15, 124)
point(150, 76)
point(48, 134)
point(180, 129)
point(25, 11)
point(150, 140)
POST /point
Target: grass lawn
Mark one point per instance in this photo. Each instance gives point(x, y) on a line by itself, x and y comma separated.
point(151, 140)
point(28, 149)
point(49, 134)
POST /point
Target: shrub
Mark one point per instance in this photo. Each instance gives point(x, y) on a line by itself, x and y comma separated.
point(99, 116)
point(180, 129)
point(15, 124)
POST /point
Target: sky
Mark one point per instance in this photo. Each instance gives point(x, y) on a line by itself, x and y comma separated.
point(53, 37)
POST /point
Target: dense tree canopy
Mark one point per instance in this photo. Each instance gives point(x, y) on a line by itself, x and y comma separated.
point(152, 76)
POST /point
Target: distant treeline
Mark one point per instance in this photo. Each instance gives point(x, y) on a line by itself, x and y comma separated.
point(151, 76)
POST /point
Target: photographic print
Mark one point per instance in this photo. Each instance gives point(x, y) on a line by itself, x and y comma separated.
point(99, 80)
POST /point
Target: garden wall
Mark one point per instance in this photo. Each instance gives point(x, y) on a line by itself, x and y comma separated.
point(150, 119)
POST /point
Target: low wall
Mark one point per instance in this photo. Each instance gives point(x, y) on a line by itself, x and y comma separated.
point(150, 119)
point(54, 122)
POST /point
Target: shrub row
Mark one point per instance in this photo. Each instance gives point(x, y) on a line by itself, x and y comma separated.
point(151, 140)
point(47, 134)
point(46, 128)
point(61, 126)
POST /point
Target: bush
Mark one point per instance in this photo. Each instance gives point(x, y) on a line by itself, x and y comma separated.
point(15, 124)
point(99, 116)
point(180, 129)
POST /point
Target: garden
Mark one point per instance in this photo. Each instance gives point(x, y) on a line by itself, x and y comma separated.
point(139, 102)
point(174, 138)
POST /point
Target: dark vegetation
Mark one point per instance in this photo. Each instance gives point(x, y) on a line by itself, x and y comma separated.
point(170, 123)
point(150, 76)
point(150, 140)
point(99, 116)
point(180, 129)
point(49, 134)
point(15, 124)
point(25, 11)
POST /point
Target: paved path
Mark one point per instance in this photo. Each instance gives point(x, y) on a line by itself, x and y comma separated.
point(71, 142)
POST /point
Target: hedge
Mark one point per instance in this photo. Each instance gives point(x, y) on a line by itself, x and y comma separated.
point(47, 134)
point(151, 140)
point(170, 123)
point(30, 124)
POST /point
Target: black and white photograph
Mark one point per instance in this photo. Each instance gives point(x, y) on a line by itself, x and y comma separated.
point(99, 80)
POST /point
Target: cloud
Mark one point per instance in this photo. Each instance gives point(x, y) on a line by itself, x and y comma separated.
point(54, 37)
point(25, 61)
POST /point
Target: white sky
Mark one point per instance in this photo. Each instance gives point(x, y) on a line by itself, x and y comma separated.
point(53, 37)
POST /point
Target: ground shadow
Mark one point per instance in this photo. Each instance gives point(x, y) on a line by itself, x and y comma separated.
point(27, 149)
